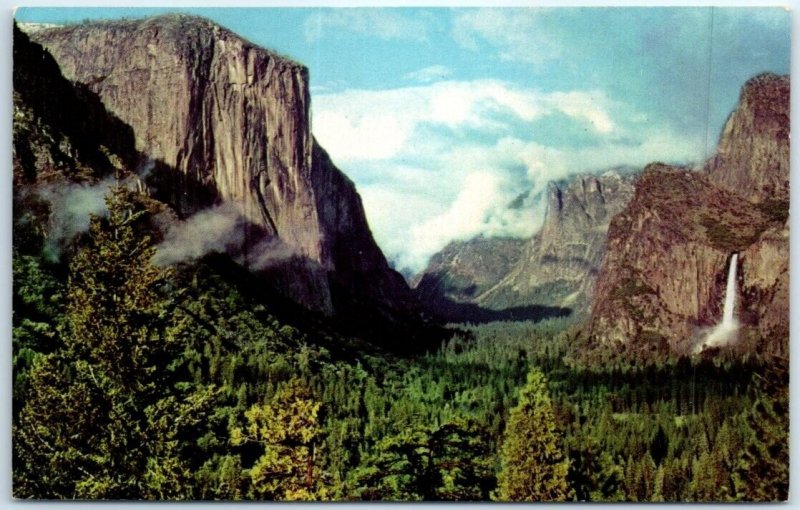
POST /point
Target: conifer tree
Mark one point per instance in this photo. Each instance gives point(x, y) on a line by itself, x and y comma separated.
point(658, 486)
point(533, 465)
point(288, 427)
point(106, 417)
point(659, 447)
point(450, 462)
point(593, 475)
point(648, 473)
point(762, 473)
point(708, 479)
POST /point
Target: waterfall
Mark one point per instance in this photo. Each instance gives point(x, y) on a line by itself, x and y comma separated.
point(725, 331)
point(730, 294)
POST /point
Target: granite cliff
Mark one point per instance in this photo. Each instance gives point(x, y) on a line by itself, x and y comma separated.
point(663, 278)
point(752, 158)
point(461, 272)
point(559, 264)
point(218, 120)
point(555, 269)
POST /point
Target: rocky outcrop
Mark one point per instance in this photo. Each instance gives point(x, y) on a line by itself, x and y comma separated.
point(663, 278)
point(559, 264)
point(464, 270)
point(765, 286)
point(224, 121)
point(753, 154)
point(64, 143)
point(60, 132)
point(556, 268)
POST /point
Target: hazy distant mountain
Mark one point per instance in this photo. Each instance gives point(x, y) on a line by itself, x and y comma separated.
point(555, 268)
point(559, 264)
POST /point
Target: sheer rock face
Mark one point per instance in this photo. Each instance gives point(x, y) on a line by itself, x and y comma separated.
point(753, 154)
point(223, 120)
point(765, 283)
point(663, 279)
point(556, 267)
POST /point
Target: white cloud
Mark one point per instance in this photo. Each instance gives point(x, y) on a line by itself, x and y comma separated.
point(365, 135)
point(588, 106)
point(429, 74)
point(464, 218)
point(481, 207)
point(378, 124)
point(443, 161)
point(386, 24)
point(516, 34)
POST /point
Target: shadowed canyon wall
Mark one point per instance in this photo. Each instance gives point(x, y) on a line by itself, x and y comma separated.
point(227, 122)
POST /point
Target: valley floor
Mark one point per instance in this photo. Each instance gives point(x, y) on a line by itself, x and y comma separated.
point(272, 412)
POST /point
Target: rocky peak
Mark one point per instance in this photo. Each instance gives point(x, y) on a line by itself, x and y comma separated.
point(222, 121)
point(753, 154)
point(663, 278)
point(464, 270)
point(551, 273)
point(559, 264)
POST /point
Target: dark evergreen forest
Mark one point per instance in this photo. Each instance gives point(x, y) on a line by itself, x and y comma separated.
point(137, 381)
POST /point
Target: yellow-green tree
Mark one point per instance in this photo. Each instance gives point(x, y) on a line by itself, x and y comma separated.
point(287, 427)
point(533, 465)
point(106, 415)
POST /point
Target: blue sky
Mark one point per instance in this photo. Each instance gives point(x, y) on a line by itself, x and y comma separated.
point(442, 116)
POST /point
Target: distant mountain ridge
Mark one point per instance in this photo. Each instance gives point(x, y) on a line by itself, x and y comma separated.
point(555, 268)
point(560, 262)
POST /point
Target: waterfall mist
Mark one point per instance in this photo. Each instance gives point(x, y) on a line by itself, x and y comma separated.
point(726, 331)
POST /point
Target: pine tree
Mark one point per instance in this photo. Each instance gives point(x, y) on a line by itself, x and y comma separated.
point(38, 307)
point(593, 475)
point(462, 460)
point(648, 472)
point(451, 462)
point(106, 415)
point(708, 479)
point(658, 486)
point(533, 465)
point(727, 447)
point(659, 447)
point(633, 476)
point(762, 473)
point(397, 469)
point(221, 478)
point(288, 428)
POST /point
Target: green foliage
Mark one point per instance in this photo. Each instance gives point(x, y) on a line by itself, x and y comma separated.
point(659, 447)
point(534, 467)
point(38, 307)
point(593, 475)
point(105, 417)
point(287, 427)
point(221, 478)
point(776, 210)
point(630, 287)
point(762, 473)
point(726, 236)
point(451, 462)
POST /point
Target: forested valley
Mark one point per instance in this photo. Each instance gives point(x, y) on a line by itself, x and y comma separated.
point(136, 381)
point(201, 311)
